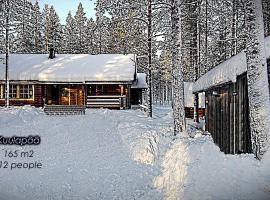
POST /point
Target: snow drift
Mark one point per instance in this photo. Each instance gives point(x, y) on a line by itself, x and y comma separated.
point(109, 154)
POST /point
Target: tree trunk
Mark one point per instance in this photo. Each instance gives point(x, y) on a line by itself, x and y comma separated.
point(177, 72)
point(206, 38)
point(234, 29)
point(149, 68)
point(258, 89)
point(266, 11)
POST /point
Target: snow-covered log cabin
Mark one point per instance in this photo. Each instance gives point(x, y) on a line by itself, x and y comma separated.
point(92, 81)
point(227, 104)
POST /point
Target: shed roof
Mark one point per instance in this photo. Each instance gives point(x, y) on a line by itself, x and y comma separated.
point(227, 71)
point(70, 68)
point(140, 83)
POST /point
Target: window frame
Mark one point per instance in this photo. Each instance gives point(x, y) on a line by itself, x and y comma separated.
point(18, 88)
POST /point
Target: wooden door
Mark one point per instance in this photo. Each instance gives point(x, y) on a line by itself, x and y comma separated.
point(72, 95)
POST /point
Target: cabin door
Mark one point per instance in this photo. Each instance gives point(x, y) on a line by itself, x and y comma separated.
point(72, 95)
point(52, 97)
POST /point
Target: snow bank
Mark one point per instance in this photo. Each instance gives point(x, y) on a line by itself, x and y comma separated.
point(83, 157)
point(194, 168)
point(226, 71)
point(70, 68)
point(110, 154)
point(213, 175)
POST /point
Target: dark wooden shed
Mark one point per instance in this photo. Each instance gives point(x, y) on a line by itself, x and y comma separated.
point(227, 117)
point(227, 103)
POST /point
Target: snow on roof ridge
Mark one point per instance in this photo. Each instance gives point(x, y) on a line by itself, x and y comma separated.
point(227, 71)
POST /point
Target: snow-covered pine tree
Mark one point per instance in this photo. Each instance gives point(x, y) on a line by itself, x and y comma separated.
point(69, 35)
point(80, 28)
point(177, 71)
point(258, 90)
point(91, 36)
point(55, 29)
point(37, 28)
point(46, 27)
point(102, 27)
point(24, 39)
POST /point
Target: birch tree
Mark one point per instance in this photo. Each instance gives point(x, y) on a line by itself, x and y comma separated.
point(257, 79)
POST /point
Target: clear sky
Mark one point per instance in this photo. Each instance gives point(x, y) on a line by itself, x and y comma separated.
point(62, 7)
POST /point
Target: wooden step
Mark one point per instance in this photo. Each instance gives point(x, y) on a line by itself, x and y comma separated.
point(64, 110)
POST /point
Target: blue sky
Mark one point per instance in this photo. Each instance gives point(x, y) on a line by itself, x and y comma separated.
point(62, 7)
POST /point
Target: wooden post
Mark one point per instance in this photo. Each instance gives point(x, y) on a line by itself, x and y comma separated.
point(68, 94)
point(234, 118)
point(7, 55)
point(196, 107)
point(85, 91)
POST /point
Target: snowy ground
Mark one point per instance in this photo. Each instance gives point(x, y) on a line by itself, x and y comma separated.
point(110, 154)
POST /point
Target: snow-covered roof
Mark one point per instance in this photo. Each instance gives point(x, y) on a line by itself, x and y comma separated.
point(70, 68)
point(227, 71)
point(223, 73)
point(189, 96)
point(140, 82)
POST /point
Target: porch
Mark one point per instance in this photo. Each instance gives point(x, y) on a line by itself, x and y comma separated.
point(89, 95)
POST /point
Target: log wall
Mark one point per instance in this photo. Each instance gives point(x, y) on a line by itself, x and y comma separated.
point(37, 101)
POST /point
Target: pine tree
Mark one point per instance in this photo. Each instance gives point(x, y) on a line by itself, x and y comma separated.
point(80, 24)
point(69, 37)
point(37, 28)
point(24, 42)
point(91, 36)
point(55, 29)
point(46, 27)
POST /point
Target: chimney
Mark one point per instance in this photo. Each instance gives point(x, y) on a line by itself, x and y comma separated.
point(52, 53)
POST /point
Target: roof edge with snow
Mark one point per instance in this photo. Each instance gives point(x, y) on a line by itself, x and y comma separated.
point(227, 71)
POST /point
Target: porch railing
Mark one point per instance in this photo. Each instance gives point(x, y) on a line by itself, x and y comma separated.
point(106, 101)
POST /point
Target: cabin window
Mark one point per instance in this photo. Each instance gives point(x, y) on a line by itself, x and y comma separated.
point(25, 92)
point(18, 91)
point(13, 91)
point(1, 92)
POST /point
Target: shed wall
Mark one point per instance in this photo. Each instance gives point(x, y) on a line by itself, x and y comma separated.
point(227, 116)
